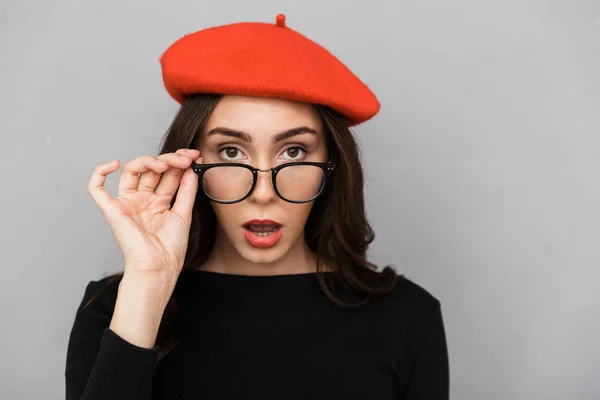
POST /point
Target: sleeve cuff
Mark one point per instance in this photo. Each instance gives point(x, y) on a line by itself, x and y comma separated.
point(124, 348)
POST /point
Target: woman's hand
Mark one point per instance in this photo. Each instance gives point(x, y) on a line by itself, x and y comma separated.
point(153, 237)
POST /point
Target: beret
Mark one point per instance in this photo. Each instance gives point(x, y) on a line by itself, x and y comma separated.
point(268, 60)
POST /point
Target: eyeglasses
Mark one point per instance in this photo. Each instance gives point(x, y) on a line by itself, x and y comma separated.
point(296, 182)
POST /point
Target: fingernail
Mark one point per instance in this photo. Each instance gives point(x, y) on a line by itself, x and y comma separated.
point(183, 157)
point(159, 161)
point(191, 151)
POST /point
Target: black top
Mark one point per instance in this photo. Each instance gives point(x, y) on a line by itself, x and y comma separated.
point(266, 337)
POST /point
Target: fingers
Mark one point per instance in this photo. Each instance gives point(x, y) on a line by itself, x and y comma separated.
point(186, 196)
point(129, 178)
point(96, 187)
point(171, 179)
point(144, 172)
point(150, 179)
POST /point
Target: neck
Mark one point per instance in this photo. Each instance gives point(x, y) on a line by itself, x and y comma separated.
point(224, 258)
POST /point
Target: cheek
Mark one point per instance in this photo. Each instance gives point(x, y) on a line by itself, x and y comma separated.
point(227, 215)
point(297, 214)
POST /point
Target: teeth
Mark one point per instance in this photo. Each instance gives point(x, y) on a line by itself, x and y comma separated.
point(265, 233)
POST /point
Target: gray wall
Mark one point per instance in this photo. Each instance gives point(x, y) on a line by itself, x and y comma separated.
point(482, 168)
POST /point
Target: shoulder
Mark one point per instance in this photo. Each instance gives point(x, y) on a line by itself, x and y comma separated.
point(408, 292)
point(408, 315)
point(100, 295)
point(410, 307)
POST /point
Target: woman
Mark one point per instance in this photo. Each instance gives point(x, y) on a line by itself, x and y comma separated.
point(245, 243)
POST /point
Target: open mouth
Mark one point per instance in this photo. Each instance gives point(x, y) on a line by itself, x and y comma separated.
point(262, 230)
point(262, 233)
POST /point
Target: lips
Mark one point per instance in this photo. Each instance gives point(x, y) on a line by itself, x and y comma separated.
point(262, 233)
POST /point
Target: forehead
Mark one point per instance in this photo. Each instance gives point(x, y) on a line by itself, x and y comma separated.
point(259, 116)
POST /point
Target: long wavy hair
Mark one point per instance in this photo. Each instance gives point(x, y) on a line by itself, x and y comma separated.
point(336, 230)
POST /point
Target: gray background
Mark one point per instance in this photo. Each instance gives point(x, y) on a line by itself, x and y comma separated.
point(482, 168)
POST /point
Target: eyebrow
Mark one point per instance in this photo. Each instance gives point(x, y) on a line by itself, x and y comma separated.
point(247, 138)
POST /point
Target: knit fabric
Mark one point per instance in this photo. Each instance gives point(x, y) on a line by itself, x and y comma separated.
point(266, 337)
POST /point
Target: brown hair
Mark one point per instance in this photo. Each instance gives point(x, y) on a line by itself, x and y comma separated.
point(337, 229)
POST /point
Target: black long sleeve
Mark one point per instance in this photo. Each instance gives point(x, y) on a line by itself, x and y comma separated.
point(264, 338)
point(101, 364)
point(429, 376)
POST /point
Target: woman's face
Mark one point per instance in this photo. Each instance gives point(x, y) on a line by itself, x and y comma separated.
point(247, 130)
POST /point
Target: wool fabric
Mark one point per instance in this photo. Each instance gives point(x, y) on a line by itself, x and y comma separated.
point(268, 60)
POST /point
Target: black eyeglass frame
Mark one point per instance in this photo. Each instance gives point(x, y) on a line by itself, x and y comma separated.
point(327, 168)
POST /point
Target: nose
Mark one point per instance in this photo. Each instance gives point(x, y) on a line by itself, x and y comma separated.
point(263, 192)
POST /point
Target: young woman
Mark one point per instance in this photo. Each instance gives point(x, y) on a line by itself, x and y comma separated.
point(245, 243)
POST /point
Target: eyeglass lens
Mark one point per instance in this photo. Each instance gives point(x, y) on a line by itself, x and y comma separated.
point(295, 182)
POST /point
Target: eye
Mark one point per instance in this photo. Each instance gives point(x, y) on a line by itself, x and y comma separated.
point(228, 153)
point(294, 151)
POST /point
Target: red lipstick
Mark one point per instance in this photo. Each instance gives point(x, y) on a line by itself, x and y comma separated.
point(262, 233)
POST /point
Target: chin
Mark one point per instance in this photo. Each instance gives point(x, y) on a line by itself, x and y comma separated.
point(262, 256)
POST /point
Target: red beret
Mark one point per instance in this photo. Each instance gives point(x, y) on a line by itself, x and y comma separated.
point(261, 59)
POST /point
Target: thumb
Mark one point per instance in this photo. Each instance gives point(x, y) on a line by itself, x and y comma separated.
point(186, 195)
